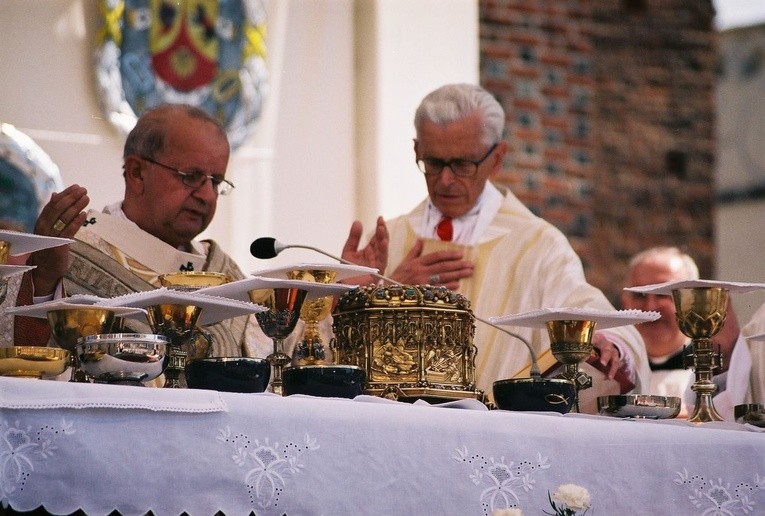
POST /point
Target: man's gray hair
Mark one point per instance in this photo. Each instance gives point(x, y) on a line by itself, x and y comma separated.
point(454, 102)
point(147, 138)
point(687, 270)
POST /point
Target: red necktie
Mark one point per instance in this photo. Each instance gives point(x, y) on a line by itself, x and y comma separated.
point(444, 229)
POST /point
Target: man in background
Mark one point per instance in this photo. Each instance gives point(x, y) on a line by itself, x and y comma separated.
point(663, 339)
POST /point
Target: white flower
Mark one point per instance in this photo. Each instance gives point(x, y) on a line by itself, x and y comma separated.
point(572, 496)
point(507, 512)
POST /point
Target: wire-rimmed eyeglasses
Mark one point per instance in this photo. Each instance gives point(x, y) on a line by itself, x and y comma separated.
point(197, 179)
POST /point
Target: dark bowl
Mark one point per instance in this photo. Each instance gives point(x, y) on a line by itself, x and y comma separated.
point(752, 413)
point(229, 374)
point(535, 394)
point(328, 381)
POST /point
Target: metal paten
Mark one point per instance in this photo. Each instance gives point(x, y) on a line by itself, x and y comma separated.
point(639, 406)
point(123, 358)
point(278, 322)
point(700, 314)
point(571, 344)
point(414, 341)
point(69, 325)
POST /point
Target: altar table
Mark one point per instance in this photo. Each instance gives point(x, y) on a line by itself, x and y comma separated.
point(99, 448)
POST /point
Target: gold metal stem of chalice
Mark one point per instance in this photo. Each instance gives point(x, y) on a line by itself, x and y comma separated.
point(700, 314)
point(571, 343)
point(311, 349)
point(176, 322)
point(5, 253)
point(284, 305)
point(68, 325)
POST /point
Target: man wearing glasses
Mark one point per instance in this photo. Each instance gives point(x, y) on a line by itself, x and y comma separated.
point(174, 165)
point(485, 244)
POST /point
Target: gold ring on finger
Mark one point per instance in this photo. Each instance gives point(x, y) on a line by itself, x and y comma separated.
point(59, 225)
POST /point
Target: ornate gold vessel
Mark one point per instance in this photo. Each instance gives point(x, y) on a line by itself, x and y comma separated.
point(311, 349)
point(700, 314)
point(414, 341)
point(69, 325)
point(571, 344)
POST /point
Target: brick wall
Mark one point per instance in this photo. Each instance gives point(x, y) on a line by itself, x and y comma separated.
point(610, 108)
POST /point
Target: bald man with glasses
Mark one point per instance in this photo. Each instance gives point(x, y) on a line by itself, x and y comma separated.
point(485, 244)
point(174, 167)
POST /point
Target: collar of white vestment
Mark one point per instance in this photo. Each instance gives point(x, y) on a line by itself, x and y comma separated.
point(139, 245)
point(471, 228)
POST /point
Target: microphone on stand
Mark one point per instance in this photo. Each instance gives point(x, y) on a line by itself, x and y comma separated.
point(267, 247)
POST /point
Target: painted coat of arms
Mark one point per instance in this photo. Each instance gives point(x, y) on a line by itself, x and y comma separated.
point(209, 53)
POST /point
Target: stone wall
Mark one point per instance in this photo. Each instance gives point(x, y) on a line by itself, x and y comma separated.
point(610, 109)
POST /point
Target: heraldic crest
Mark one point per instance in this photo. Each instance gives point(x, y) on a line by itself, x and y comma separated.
point(208, 53)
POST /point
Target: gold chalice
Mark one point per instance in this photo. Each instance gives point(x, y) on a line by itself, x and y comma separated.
point(190, 281)
point(184, 339)
point(700, 314)
point(278, 322)
point(177, 322)
point(311, 349)
point(68, 325)
point(571, 343)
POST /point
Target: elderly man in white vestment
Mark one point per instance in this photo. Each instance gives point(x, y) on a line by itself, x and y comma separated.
point(490, 247)
point(174, 165)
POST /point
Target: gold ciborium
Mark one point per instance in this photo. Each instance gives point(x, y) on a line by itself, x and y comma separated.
point(278, 322)
point(176, 322)
point(571, 343)
point(700, 314)
point(311, 349)
point(69, 325)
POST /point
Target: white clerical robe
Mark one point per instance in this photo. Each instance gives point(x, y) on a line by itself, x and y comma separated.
point(746, 374)
point(112, 256)
point(522, 263)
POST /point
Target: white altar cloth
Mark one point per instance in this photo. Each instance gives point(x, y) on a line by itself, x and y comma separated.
point(299, 455)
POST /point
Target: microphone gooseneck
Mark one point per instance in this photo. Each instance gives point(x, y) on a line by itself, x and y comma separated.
point(267, 247)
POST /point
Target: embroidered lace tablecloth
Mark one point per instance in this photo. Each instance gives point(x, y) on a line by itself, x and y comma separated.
point(311, 456)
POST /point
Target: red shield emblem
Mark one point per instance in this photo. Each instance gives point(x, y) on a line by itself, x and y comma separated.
point(183, 42)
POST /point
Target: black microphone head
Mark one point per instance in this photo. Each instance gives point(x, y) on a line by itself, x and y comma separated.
point(263, 248)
